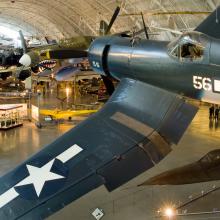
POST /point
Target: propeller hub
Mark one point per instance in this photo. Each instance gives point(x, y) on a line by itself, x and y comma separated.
point(30, 59)
point(25, 60)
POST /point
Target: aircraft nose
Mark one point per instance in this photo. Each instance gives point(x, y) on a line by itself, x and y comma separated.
point(30, 59)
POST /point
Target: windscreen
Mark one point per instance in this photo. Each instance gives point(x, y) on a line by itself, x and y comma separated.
point(189, 46)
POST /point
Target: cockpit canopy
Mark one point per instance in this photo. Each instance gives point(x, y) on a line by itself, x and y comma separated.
point(211, 157)
point(189, 46)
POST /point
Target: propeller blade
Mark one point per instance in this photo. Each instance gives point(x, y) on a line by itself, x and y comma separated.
point(115, 15)
point(23, 42)
point(47, 40)
point(22, 73)
point(108, 84)
point(145, 27)
point(103, 28)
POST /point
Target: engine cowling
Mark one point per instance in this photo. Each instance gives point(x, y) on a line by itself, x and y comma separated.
point(103, 51)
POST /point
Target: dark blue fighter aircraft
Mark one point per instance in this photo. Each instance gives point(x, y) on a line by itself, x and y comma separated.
point(133, 131)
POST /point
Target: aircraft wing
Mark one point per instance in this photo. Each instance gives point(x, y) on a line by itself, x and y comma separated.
point(129, 135)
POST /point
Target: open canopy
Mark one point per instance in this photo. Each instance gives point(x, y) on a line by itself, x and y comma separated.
point(189, 46)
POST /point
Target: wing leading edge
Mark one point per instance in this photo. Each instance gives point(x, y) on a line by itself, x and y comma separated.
point(129, 135)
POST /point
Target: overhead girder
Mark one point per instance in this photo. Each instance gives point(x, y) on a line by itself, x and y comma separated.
point(9, 22)
point(124, 9)
point(81, 17)
point(63, 22)
point(190, 21)
point(211, 4)
point(41, 13)
point(62, 17)
point(70, 14)
point(102, 11)
point(40, 28)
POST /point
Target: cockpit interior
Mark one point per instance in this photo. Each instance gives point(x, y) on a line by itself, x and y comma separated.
point(188, 47)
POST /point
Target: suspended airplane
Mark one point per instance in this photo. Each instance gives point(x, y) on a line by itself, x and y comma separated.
point(9, 67)
point(62, 50)
point(41, 55)
point(204, 170)
point(9, 63)
point(132, 132)
point(67, 72)
point(9, 57)
point(39, 58)
point(63, 70)
point(74, 47)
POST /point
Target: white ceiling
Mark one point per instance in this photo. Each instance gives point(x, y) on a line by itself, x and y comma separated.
point(66, 18)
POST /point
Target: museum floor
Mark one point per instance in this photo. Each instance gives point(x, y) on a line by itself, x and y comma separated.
point(129, 201)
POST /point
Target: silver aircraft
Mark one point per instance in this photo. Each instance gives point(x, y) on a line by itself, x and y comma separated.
point(135, 129)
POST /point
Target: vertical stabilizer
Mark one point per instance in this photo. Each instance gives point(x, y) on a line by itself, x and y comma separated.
point(211, 25)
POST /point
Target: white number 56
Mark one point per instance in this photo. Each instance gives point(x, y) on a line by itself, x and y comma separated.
point(202, 83)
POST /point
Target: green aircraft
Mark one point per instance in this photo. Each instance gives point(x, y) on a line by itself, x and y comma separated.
point(133, 131)
point(67, 48)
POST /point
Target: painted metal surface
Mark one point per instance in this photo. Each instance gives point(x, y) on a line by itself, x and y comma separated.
point(132, 133)
point(109, 146)
point(150, 61)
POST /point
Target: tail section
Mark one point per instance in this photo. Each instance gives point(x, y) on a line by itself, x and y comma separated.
point(23, 42)
point(211, 25)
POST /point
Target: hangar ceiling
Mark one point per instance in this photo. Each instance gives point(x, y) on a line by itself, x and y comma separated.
point(59, 19)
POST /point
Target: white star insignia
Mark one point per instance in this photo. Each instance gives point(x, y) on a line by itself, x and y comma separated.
point(38, 176)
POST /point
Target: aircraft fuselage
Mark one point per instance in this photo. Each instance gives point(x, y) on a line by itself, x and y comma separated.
point(149, 61)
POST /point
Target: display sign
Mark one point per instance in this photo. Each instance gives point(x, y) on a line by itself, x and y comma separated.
point(98, 214)
point(12, 115)
point(21, 107)
point(35, 112)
